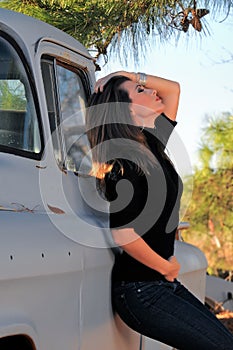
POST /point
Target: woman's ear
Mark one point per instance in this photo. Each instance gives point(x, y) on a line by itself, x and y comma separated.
point(133, 115)
point(132, 112)
point(137, 120)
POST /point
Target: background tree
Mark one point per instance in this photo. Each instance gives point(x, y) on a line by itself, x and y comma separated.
point(210, 212)
point(126, 24)
point(12, 95)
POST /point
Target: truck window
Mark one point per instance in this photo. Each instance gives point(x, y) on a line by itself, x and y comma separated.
point(66, 101)
point(19, 128)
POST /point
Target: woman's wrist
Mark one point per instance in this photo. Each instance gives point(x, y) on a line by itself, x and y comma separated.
point(141, 78)
point(132, 76)
point(164, 267)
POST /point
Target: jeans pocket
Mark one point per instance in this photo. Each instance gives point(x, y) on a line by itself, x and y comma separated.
point(149, 292)
point(124, 305)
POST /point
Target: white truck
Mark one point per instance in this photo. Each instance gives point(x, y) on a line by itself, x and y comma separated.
point(55, 257)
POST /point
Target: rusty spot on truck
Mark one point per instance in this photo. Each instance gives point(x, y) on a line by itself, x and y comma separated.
point(41, 167)
point(55, 210)
point(66, 55)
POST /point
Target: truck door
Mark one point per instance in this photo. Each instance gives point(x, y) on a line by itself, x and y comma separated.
point(67, 88)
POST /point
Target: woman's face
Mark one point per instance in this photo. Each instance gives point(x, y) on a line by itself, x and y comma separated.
point(146, 104)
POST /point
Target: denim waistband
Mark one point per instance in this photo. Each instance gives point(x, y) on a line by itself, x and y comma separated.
point(139, 284)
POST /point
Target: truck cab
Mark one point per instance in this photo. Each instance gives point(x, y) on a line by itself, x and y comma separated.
point(56, 253)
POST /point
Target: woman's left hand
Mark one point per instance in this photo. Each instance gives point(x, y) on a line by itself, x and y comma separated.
point(173, 269)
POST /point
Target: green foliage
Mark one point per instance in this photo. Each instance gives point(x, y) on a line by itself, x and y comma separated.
point(12, 95)
point(211, 209)
point(126, 24)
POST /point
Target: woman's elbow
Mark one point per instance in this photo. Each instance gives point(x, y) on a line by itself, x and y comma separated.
point(123, 236)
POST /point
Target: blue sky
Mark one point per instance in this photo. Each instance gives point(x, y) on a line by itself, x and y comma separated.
point(206, 82)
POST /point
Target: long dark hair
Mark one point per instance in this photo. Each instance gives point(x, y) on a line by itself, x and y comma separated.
point(109, 118)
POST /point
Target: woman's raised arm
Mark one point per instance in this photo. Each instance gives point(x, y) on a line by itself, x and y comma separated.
point(167, 90)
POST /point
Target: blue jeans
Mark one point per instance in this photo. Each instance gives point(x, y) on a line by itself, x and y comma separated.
point(169, 313)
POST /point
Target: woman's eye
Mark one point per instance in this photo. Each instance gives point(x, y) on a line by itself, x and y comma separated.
point(140, 90)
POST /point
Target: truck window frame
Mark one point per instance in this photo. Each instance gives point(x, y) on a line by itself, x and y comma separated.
point(31, 82)
point(53, 101)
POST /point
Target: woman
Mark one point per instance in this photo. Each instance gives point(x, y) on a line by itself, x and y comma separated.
point(130, 119)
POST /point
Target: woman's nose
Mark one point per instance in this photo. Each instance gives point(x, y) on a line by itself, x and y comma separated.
point(154, 92)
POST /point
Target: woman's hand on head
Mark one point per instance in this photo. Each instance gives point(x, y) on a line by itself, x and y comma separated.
point(102, 81)
point(174, 268)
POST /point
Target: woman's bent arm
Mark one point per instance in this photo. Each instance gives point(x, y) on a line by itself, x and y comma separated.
point(136, 247)
point(168, 91)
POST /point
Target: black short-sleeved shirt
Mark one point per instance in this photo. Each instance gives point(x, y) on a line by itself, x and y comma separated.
point(147, 201)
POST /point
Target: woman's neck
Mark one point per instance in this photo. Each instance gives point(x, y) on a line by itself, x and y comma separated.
point(145, 122)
